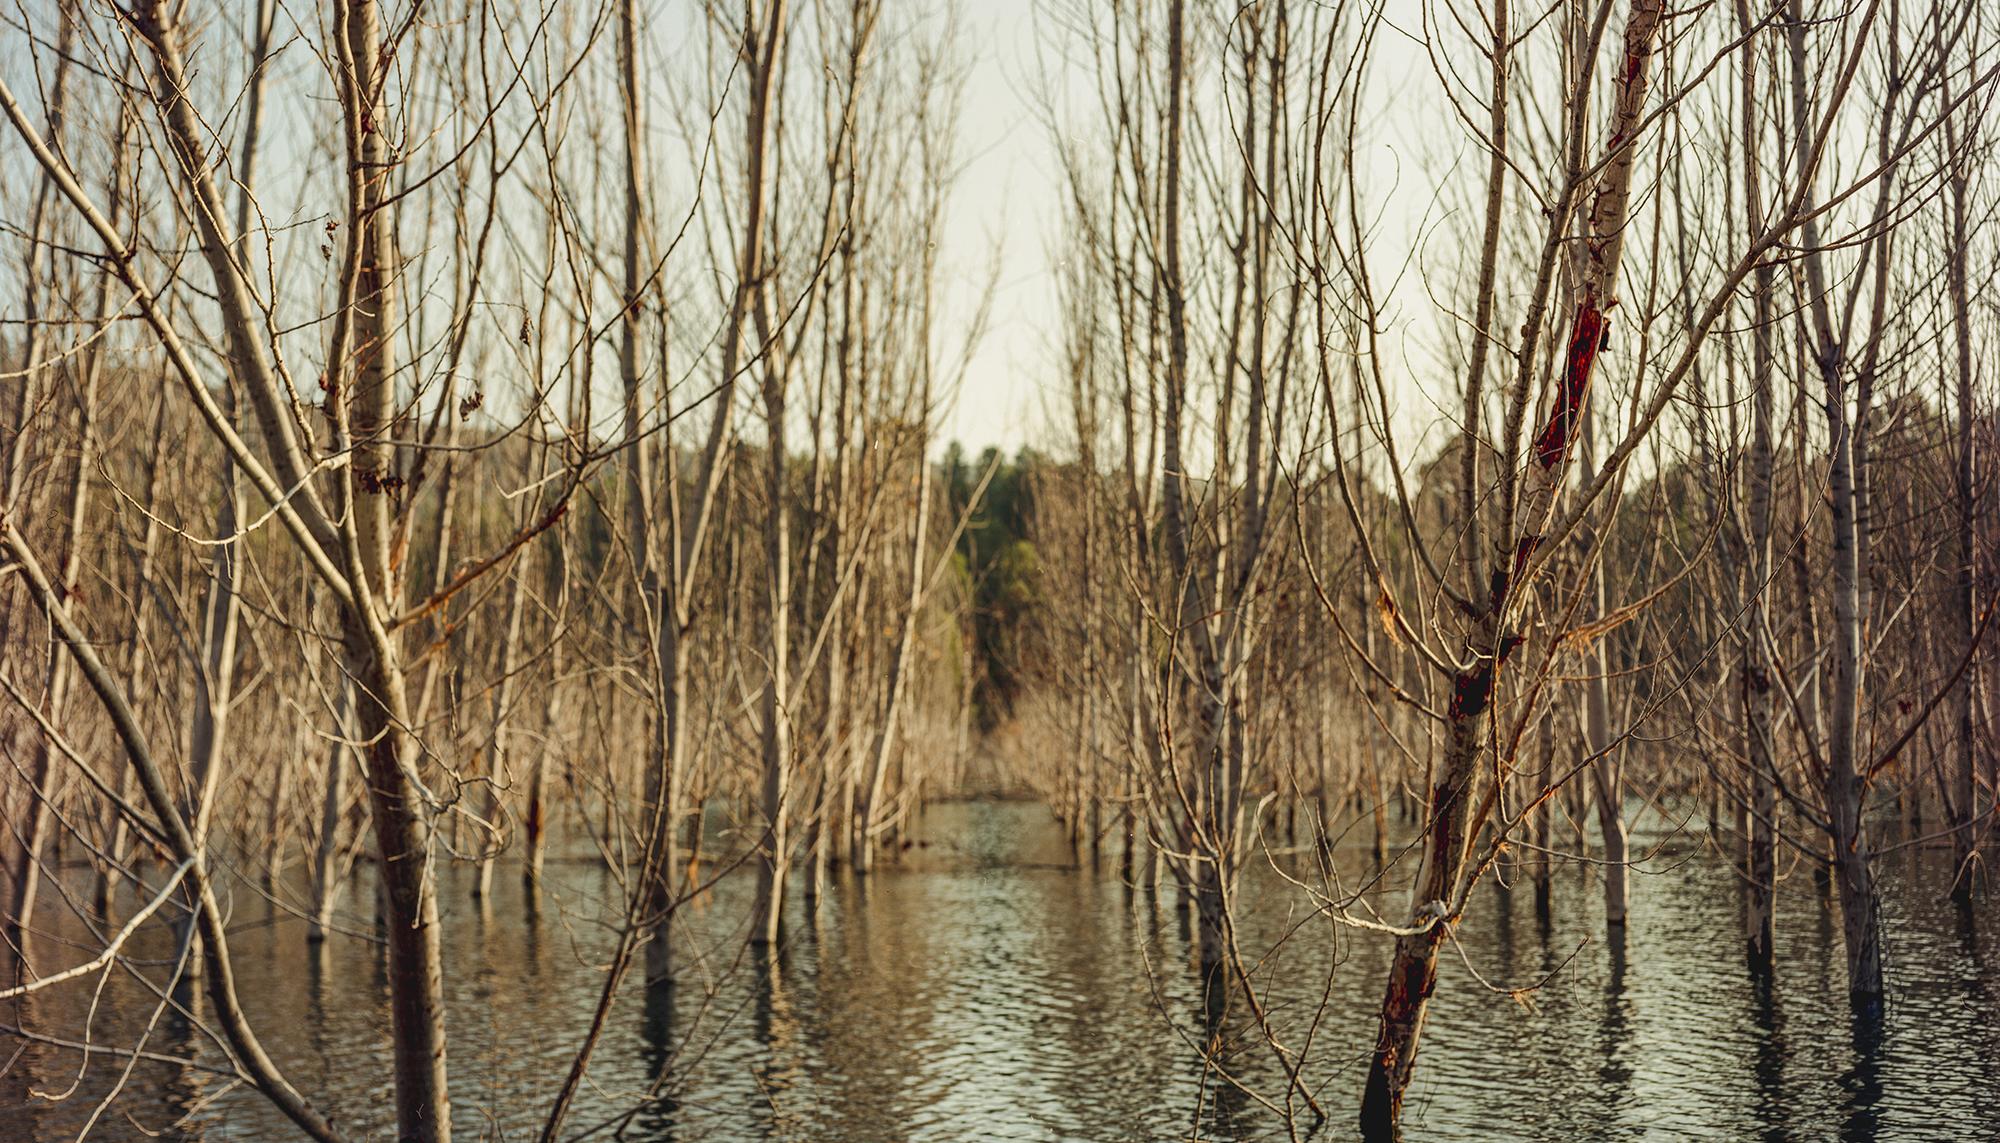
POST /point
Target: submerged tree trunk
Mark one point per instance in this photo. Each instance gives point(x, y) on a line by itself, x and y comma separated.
point(1607, 772)
point(689, 525)
point(1413, 968)
point(1844, 786)
point(390, 755)
point(1454, 791)
point(872, 791)
point(1759, 921)
point(1962, 805)
point(498, 773)
point(774, 850)
point(329, 867)
point(1760, 858)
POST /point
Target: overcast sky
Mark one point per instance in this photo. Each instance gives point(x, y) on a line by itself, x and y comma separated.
point(1004, 207)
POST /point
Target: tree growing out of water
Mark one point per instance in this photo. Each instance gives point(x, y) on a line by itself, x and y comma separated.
point(357, 444)
point(1496, 596)
point(443, 437)
point(1520, 584)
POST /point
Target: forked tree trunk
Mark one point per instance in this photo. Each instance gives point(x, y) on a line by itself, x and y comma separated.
point(390, 754)
point(689, 530)
point(214, 677)
point(1454, 791)
point(1845, 787)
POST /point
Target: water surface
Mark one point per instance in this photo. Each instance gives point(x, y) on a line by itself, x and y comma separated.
point(987, 986)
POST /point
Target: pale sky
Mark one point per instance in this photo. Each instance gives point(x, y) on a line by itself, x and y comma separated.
point(1008, 203)
point(1006, 206)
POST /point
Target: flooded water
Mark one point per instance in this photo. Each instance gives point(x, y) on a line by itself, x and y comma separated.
point(985, 988)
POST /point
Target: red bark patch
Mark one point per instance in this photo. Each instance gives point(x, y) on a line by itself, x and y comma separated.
point(1525, 551)
point(375, 481)
point(1471, 690)
point(1566, 415)
point(1504, 579)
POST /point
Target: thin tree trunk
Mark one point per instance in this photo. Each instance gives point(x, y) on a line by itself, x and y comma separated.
point(1759, 918)
point(774, 850)
point(1540, 822)
point(497, 772)
point(1962, 807)
point(535, 823)
point(899, 666)
point(689, 526)
point(329, 864)
point(1607, 772)
point(27, 874)
point(214, 678)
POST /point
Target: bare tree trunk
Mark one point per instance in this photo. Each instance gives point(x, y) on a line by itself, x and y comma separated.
point(765, 42)
point(774, 850)
point(535, 820)
point(1760, 926)
point(1759, 918)
point(1540, 821)
point(39, 808)
point(899, 666)
point(1962, 806)
point(1454, 791)
point(689, 524)
point(912, 600)
point(1208, 879)
point(498, 773)
point(1607, 772)
point(1413, 967)
point(401, 813)
point(214, 677)
point(1845, 787)
point(329, 863)
point(663, 787)
point(1851, 859)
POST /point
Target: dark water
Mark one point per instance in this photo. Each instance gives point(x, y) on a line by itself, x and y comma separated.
point(983, 989)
